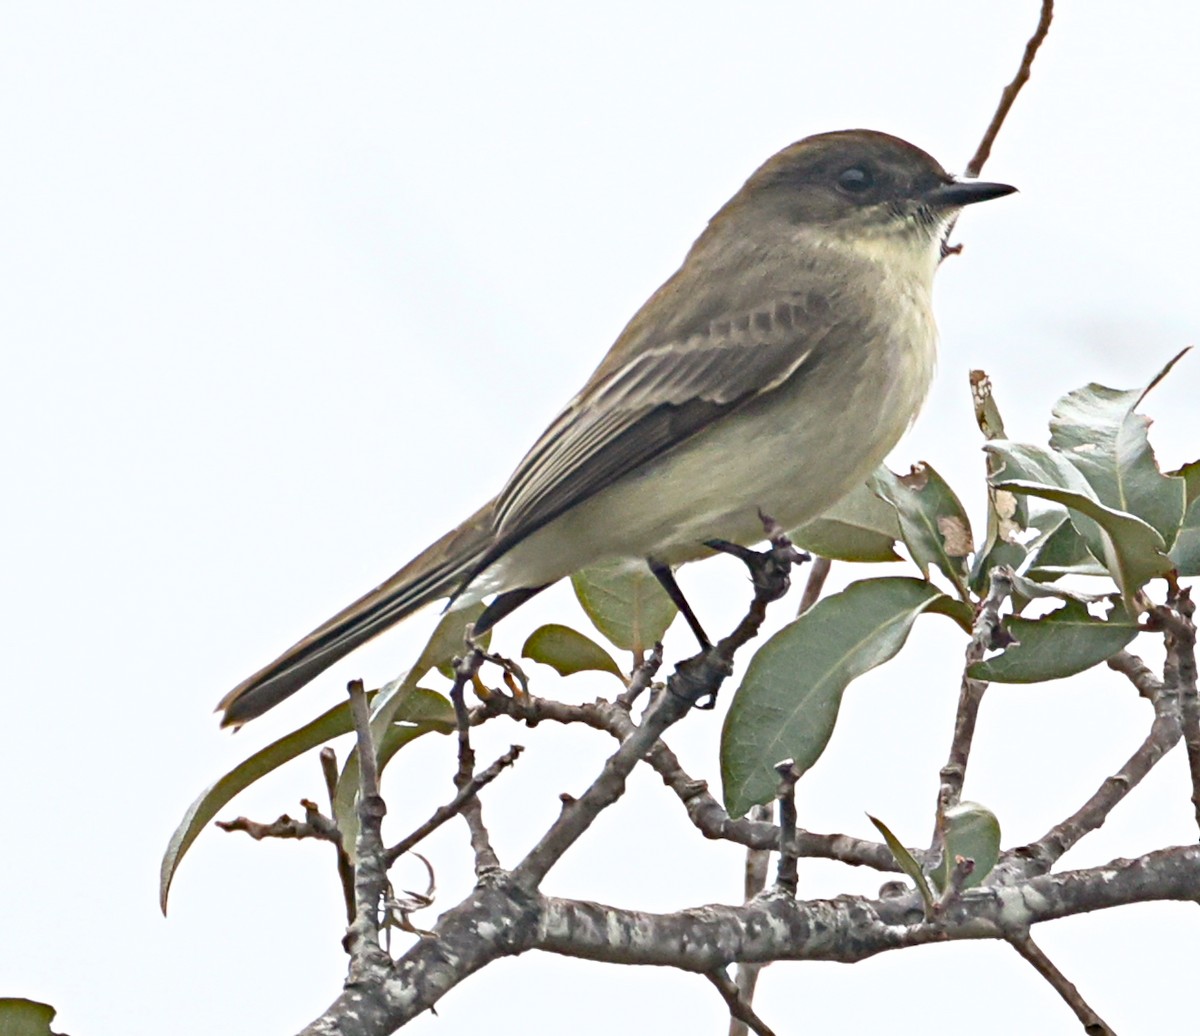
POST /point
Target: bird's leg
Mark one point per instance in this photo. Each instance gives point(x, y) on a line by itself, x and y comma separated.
point(666, 579)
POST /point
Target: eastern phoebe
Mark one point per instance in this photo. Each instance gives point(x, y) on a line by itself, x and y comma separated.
point(772, 372)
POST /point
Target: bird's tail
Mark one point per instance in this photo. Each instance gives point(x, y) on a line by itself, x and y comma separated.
point(436, 572)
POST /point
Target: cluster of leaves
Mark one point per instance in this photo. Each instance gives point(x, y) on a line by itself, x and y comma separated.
point(1106, 510)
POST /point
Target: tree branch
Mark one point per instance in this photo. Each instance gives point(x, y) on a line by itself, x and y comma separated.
point(739, 1009)
point(988, 635)
point(1093, 1024)
point(1009, 94)
point(501, 918)
point(454, 806)
point(1164, 734)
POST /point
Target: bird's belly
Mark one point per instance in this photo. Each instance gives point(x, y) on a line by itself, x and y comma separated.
point(714, 485)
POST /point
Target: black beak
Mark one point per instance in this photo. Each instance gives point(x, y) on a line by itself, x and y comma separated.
point(956, 194)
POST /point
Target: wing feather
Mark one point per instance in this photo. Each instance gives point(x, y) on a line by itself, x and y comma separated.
point(659, 399)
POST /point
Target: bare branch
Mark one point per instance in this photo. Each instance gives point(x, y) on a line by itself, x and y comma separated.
point(368, 959)
point(1179, 671)
point(695, 681)
point(465, 671)
point(643, 675)
point(345, 869)
point(704, 811)
point(1147, 682)
point(1093, 1024)
point(1007, 97)
point(314, 825)
point(815, 583)
point(989, 635)
point(454, 806)
point(1009, 94)
point(786, 879)
point(739, 1009)
point(755, 880)
point(1164, 734)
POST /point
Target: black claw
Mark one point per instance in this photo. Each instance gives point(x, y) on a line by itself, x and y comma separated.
point(769, 569)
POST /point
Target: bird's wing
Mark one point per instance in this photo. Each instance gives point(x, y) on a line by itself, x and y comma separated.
point(654, 402)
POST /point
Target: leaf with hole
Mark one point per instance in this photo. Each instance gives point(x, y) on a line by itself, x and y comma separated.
point(1130, 549)
point(933, 524)
point(1098, 430)
point(1008, 514)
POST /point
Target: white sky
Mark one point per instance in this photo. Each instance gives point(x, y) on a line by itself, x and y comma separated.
point(287, 288)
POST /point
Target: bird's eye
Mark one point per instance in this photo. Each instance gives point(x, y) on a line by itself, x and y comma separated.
point(856, 179)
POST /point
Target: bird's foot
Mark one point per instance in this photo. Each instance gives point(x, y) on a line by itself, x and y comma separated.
point(770, 570)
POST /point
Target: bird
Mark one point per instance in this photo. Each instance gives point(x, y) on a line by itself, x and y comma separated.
point(770, 374)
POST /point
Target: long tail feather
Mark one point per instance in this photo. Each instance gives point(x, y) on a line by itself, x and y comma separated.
point(439, 571)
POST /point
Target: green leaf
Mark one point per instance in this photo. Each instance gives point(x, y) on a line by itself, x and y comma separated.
point(626, 604)
point(788, 702)
point(215, 797)
point(971, 833)
point(1097, 430)
point(1186, 551)
point(1065, 642)
point(1190, 473)
point(933, 524)
point(21, 1017)
point(427, 713)
point(567, 651)
point(859, 527)
point(1063, 552)
point(448, 641)
point(906, 862)
point(1031, 590)
point(1130, 549)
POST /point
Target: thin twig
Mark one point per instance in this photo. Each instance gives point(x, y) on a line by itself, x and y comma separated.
point(814, 584)
point(314, 825)
point(1164, 734)
point(345, 868)
point(370, 876)
point(1093, 1024)
point(988, 635)
point(754, 881)
point(454, 806)
point(643, 675)
point(1179, 671)
point(738, 1008)
point(786, 878)
point(695, 681)
point(704, 811)
point(1009, 94)
point(465, 669)
point(1149, 685)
